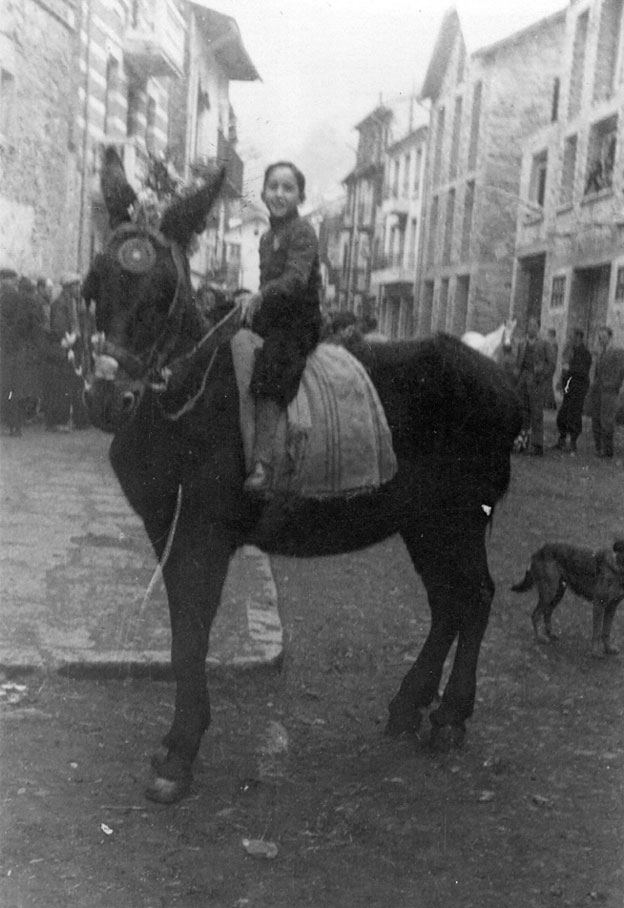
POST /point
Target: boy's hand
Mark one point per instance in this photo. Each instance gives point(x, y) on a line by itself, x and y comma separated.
point(250, 307)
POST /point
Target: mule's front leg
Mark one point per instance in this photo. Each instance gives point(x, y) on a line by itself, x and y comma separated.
point(194, 576)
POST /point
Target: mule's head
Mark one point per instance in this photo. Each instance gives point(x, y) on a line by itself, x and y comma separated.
point(141, 288)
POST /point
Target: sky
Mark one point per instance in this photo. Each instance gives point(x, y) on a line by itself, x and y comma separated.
point(325, 64)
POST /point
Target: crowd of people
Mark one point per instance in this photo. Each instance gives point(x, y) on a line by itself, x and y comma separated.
point(43, 342)
point(531, 367)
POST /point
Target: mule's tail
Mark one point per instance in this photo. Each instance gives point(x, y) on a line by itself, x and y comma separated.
point(525, 584)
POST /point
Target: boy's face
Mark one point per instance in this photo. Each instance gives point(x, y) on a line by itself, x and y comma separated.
point(281, 192)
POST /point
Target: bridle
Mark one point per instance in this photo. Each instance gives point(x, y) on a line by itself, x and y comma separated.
point(135, 253)
point(134, 250)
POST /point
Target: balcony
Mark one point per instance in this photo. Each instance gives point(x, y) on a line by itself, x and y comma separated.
point(393, 268)
point(394, 201)
point(156, 47)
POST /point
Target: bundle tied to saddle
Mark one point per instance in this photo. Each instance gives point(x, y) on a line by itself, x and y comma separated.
point(333, 439)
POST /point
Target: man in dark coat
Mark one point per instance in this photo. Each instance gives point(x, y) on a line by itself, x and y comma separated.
point(575, 382)
point(603, 396)
point(21, 328)
point(534, 368)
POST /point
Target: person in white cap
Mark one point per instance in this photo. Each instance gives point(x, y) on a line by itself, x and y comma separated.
point(63, 405)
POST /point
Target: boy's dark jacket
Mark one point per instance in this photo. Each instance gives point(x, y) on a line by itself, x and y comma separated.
point(289, 318)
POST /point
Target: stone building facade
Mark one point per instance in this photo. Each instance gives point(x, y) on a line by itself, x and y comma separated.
point(483, 105)
point(570, 247)
point(39, 135)
point(148, 76)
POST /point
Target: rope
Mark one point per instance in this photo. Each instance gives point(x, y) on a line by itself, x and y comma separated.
point(158, 570)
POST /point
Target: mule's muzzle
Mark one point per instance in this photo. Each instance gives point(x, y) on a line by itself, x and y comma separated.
point(111, 404)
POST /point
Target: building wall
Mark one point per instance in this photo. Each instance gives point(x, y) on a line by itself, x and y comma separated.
point(500, 94)
point(579, 233)
point(38, 139)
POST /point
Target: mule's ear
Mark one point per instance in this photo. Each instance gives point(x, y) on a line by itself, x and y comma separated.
point(117, 192)
point(188, 215)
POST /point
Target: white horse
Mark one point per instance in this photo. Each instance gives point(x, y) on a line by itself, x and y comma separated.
point(495, 342)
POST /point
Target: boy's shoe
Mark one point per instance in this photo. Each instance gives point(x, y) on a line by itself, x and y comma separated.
point(259, 480)
point(536, 451)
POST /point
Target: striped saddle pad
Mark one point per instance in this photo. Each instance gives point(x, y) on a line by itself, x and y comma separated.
point(333, 439)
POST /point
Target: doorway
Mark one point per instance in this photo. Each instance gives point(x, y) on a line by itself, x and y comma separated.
point(589, 301)
point(530, 290)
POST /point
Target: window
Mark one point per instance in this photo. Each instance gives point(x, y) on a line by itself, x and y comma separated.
point(417, 169)
point(437, 161)
point(461, 61)
point(578, 65)
point(557, 295)
point(601, 155)
point(150, 125)
point(7, 101)
point(609, 37)
point(426, 309)
point(433, 229)
point(448, 227)
point(568, 168)
point(619, 286)
point(554, 112)
point(132, 112)
point(112, 87)
point(406, 174)
point(455, 138)
point(443, 304)
point(474, 125)
point(537, 189)
point(469, 198)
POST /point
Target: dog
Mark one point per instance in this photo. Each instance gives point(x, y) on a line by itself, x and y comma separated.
point(597, 576)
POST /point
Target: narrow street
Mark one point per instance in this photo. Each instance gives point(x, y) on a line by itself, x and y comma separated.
point(295, 764)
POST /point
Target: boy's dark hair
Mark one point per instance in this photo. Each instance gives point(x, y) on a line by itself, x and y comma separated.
point(299, 177)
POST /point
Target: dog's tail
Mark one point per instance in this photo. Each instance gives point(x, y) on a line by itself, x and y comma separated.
point(525, 584)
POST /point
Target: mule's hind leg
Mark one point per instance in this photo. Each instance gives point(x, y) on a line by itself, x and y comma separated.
point(460, 592)
point(474, 590)
point(607, 622)
point(420, 685)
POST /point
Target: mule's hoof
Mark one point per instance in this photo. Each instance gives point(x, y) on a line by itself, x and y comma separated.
point(402, 723)
point(168, 791)
point(444, 738)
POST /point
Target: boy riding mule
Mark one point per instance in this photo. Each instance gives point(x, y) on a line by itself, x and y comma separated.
point(170, 395)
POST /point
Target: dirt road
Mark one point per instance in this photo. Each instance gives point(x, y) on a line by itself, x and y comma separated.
point(528, 815)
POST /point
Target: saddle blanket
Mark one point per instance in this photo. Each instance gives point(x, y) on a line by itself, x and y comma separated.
point(333, 439)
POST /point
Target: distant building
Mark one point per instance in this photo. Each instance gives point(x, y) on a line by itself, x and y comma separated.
point(382, 217)
point(396, 244)
point(364, 186)
point(483, 106)
point(328, 221)
point(570, 241)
